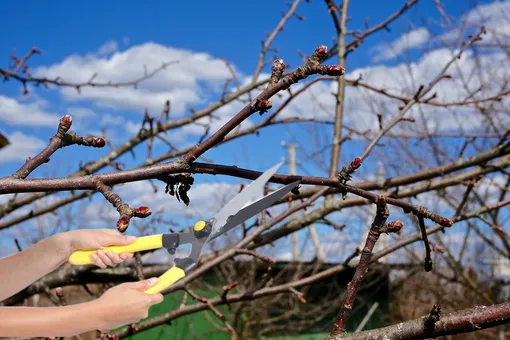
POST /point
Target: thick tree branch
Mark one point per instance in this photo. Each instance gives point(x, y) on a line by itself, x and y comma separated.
point(463, 321)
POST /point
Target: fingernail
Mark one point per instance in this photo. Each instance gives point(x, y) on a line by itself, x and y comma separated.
point(131, 238)
point(153, 280)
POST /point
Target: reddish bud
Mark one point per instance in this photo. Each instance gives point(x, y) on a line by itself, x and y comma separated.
point(394, 227)
point(143, 212)
point(437, 249)
point(122, 224)
point(231, 286)
point(59, 291)
point(302, 299)
point(321, 51)
point(264, 106)
point(66, 122)
point(99, 142)
point(356, 163)
point(335, 70)
point(445, 222)
point(499, 230)
point(278, 66)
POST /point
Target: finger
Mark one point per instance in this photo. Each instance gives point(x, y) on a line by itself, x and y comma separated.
point(156, 298)
point(126, 256)
point(97, 261)
point(143, 284)
point(114, 238)
point(114, 257)
point(104, 258)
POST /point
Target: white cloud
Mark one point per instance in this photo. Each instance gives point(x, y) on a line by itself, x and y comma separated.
point(218, 119)
point(316, 102)
point(4, 198)
point(13, 112)
point(21, 147)
point(131, 127)
point(497, 10)
point(191, 81)
point(494, 16)
point(284, 257)
point(109, 119)
point(81, 112)
point(412, 39)
point(108, 47)
point(362, 105)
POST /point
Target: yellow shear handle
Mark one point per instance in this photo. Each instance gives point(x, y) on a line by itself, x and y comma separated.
point(140, 244)
point(171, 276)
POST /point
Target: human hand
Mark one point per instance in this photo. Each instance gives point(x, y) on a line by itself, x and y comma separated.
point(126, 303)
point(84, 239)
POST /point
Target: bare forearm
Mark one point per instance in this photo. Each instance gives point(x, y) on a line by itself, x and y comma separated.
point(49, 321)
point(23, 268)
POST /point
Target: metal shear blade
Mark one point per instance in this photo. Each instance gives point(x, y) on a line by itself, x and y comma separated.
point(252, 209)
point(240, 200)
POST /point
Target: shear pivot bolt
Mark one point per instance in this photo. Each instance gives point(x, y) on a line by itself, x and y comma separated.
point(199, 226)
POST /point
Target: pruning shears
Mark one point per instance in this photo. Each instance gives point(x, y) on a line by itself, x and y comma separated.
point(239, 209)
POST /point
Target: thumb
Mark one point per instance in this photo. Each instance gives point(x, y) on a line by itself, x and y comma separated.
point(114, 238)
point(143, 284)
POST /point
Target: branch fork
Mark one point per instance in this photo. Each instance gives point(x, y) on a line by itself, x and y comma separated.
point(125, 211)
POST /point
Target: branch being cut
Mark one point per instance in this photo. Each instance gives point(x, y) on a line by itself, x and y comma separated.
point(423, 175)
point(157, 171)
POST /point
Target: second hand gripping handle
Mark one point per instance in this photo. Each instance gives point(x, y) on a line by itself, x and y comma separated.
point(141, 243)
point(171, 276)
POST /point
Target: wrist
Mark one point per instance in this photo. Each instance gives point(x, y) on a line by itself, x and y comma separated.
point(95, 312)
point(62, 243)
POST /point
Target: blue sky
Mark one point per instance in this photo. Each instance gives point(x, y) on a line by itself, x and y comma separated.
point(229, 29)
point(98, 32)
point(232, 29)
